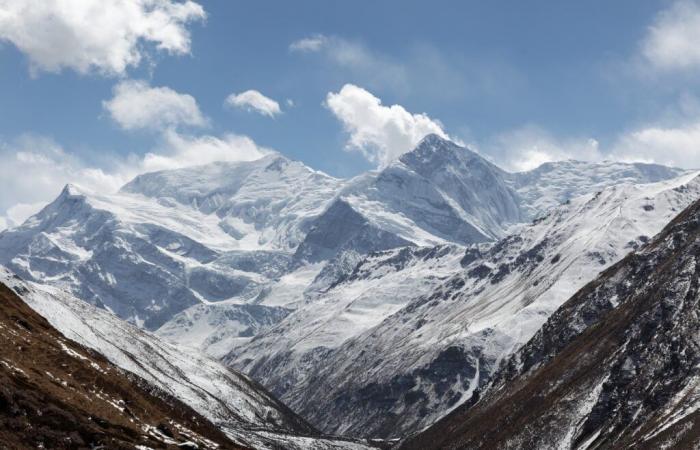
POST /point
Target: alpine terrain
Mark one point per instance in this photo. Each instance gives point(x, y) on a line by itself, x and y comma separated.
point(401, 337)
point(481, 231)
point(371, 306)
point(616, 366)
point(56, 393)
point(238, 406)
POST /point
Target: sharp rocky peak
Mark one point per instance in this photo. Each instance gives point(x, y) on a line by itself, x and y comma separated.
point(438, 149)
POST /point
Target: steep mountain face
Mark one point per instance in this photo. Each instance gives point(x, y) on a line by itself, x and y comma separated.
point(439, 193)
point(391, 343)
point(240, 407)
point(472, 185)
point(617, 366)
point(55, 393)
point(350, 296)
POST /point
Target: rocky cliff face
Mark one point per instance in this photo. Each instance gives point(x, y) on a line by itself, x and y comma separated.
point(617, 366)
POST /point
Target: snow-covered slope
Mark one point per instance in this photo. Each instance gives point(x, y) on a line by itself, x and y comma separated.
point(58, 394)
point(553, 183)
point(262, 205)
point(219, 327)
point(352, 295)
point(617, 366)
point(436, 329)
point(230, 400)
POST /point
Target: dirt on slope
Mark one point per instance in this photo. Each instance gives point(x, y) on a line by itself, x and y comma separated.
point(56, 394)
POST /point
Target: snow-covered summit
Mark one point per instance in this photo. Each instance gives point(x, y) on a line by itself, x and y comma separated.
point(264, 203)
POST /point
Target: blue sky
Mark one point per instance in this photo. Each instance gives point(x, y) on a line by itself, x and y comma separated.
point(521, 82)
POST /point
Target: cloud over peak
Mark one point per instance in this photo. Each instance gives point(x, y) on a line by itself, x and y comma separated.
point(381, 133)
point(106, 36)
point(253, 100)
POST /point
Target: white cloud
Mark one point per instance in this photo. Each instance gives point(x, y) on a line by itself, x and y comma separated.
point(672, 40)
point(528, 147)
point(20, 212)
point(309, 44)
point(106, 36)
point(253, 100)
point(381, 133)
point(136, 105)
point(673, 146)
point(34, 169)
point(182, 151)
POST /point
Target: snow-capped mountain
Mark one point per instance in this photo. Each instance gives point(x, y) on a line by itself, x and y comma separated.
point(262, 205)
point(554, 183)
point(258, 232)
point(616, 366)
point(240, 407)
point(219, 232)
point(291, 274)
point(438, 193)
point(400, 338)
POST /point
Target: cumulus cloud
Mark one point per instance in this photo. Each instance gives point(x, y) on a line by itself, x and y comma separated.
point(136, 105)
point(381, 133)
point(34, 169)
point(672, 40)
point(253, 100)
point(105, 36)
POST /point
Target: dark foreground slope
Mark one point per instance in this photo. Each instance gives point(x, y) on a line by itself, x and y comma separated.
point(57, 394)
point(617, 366)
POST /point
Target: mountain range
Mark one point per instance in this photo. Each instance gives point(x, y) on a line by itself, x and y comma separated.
point(372, 307)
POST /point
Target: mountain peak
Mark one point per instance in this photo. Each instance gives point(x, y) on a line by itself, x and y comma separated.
point(435, 151)
point(433, 139)
point(71, 190)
